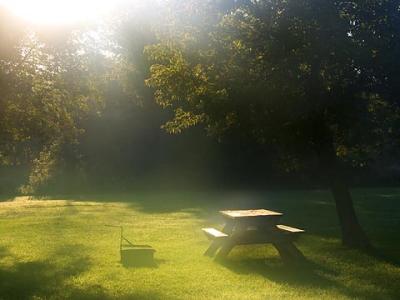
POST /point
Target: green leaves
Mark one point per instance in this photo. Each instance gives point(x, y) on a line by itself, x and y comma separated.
point(181, 121)
point(47, 90)
point(270, 69)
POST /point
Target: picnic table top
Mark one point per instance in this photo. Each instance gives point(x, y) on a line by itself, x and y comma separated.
point(249, 213)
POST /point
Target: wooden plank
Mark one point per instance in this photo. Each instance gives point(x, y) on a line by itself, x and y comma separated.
point(214, 233)
point(289, 229)
point(250, 213)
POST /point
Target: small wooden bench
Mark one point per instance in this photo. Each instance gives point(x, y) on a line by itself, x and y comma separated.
point(289, 230)
point(213, 233)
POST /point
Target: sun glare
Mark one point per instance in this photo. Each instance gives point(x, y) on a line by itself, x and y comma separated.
point(58, 11)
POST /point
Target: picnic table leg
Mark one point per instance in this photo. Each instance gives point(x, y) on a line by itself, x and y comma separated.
point(295, 252)
point(289, 252)
point(213, 248)
point(227, 246)
point(231, 241)
point(216, 244)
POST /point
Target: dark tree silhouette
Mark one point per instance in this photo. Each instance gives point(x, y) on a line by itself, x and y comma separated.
point(312, 79)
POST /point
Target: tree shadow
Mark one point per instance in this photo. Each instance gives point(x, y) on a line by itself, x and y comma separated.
point(29, 279)
point(7, 197)
point(383, 256)
point(306, 273)
point(50, 278)
point(4, 252)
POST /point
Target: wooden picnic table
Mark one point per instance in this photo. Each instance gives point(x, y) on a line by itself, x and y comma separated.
point(253, 226)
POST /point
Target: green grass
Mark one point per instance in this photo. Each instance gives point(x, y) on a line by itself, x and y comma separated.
point(60, 248)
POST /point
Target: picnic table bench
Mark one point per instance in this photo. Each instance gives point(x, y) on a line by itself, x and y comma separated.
point(254, 226)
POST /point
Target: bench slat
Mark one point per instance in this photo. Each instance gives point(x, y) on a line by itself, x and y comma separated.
point(289, 229)
point(214, 233)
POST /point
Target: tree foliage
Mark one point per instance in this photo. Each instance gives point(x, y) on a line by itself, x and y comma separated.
point(311, 79)
point(282, 71)
point(47, 86)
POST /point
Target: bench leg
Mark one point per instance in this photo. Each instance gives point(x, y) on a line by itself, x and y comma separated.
point(216, 244)
point(295, 252)
point(227, 246)
point(289, 252)
point(213, 248)
point(228, 228)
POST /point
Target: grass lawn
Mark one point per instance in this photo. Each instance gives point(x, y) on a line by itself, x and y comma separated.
point(60, 248)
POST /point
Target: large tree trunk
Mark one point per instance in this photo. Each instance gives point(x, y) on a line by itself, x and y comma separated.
point(352, 234)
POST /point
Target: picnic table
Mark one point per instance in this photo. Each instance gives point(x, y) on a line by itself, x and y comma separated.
point(253, 226)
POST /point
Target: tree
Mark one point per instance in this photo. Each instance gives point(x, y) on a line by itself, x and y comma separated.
point(47, 86)
point(297, 76)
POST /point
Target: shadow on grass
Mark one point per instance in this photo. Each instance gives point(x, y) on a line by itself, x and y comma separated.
point(7, 197)
point(306, 273)
point(49, 278)
point(152, 264)
point(354, 273)
point(385, 256)
point(24, 280)
point(4, 252)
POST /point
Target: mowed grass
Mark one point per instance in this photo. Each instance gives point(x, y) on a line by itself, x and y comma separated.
point(61, 248)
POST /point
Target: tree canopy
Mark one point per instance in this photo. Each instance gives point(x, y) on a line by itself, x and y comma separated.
point(311, 79)
point(281, 71)
point(48, 85)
